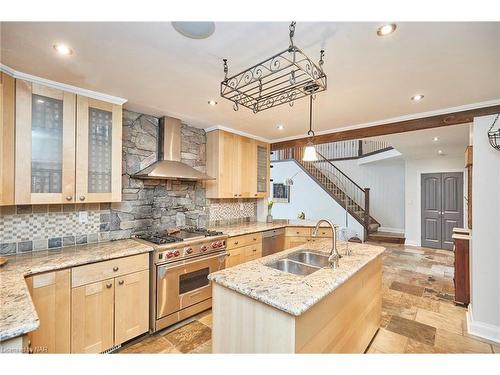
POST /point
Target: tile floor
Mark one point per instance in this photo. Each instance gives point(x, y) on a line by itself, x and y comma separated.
point(418, 313)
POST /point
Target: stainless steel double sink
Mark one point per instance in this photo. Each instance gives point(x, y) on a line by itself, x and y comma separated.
point(302, 262)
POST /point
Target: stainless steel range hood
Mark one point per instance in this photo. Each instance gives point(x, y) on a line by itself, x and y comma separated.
point(169, 165)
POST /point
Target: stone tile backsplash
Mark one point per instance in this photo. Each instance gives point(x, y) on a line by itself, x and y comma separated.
point(229, 211)
point(39, 227)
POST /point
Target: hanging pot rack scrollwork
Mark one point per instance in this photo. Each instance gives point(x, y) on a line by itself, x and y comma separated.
point(494, 135)
point(283, 78)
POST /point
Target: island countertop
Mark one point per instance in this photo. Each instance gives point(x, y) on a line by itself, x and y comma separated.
point(291, 293)
point(17, 314)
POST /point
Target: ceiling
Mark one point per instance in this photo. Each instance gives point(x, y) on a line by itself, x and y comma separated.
point(370, 78)
point(452, 140)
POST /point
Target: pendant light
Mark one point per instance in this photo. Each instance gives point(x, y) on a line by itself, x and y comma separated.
point(310, 150)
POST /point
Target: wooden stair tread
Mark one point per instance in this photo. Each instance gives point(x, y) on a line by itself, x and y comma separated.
point(390, 237)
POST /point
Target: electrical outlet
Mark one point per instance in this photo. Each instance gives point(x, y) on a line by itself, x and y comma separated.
point(83, 217)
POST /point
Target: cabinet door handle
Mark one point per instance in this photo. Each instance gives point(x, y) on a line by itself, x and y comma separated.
point(109, 285)
point(115, 268)
point(235, 195)
point(69, 198)
point(120, 282)
point(82, 197)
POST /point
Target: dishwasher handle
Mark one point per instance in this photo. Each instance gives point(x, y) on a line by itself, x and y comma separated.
point(273, 233)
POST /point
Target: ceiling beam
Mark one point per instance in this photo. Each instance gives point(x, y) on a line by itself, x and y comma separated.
point(447, 119)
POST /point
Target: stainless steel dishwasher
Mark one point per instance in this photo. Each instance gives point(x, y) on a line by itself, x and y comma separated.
point(273, 241)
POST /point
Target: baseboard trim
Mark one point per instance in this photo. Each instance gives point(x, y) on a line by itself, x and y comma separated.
point(412, 243)
point(483, 330)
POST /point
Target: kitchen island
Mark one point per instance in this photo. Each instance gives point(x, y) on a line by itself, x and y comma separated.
point(260, 309)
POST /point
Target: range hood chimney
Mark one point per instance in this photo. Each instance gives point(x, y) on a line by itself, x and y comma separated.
point(169, 165)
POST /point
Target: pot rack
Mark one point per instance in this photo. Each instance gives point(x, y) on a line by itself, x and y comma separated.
point(283, 78)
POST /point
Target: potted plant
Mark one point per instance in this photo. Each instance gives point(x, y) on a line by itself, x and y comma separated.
point(269, 218)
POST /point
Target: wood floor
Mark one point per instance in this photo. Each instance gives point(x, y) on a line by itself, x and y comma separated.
point(418, 313)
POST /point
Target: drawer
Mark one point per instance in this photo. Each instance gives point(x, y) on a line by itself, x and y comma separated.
point(245, 240)
point(95, 272)
point(297, 231)
point(253, 251)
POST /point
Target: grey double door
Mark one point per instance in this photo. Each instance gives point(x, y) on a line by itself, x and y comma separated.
point(442, 208)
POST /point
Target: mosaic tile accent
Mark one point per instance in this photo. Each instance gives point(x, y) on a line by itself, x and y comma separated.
point(229, 211)
point(32, 228)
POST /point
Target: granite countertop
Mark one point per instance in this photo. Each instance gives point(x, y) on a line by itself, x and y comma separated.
point(291, 293)
point(17, 313)
point(259, 226)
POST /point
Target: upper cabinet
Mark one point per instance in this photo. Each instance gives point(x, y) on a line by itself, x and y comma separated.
point(45, 144)
point(98, 151)
point(239, 164)
point(68, 147)
point(7, 92)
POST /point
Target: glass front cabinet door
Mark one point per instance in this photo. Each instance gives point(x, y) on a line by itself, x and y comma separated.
point(68, 147)
point(98, 151)
point(45, 144)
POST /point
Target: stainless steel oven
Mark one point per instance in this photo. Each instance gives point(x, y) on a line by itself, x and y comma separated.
point(182, 287)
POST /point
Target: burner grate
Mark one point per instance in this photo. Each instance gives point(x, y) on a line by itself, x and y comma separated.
point(159, 238)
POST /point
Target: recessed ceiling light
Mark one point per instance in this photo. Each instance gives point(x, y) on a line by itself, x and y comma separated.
point(435, 139)
point(417, 98)
point(440, 152)
point(194, 30)
point(212, 102)
point(386, 29)
point(63, 49)
point(280, 127)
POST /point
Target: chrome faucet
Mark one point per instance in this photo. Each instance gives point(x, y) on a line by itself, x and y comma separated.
point(334, 254)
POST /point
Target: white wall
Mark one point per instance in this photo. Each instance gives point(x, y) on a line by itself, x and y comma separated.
point(386, 180)
point(414, 169)
point(308, 197)
point(484, 309)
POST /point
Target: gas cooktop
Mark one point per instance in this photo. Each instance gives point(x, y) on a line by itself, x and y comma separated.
point(161, 238)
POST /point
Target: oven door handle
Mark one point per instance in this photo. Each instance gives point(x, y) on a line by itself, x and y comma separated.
point(170, 266)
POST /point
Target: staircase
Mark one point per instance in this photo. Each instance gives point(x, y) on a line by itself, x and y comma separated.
point(339, 186)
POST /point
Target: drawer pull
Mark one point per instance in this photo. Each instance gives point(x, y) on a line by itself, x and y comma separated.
point(69, 198)
point(109, 285)
point(115, 268)
point(82, 197)
point(236, 242)
point(120, 282)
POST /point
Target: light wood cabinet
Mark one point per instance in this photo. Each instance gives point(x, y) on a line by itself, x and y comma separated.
point(239, 164)
point(295, 241)
point(110, 303)
point(45, 144)
point(51, 295)
point(7, 110)
point(92, 317)
point(98, 151)
point(235, 257)
point(62, 157)
point(131, 305)
point(243, 249)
